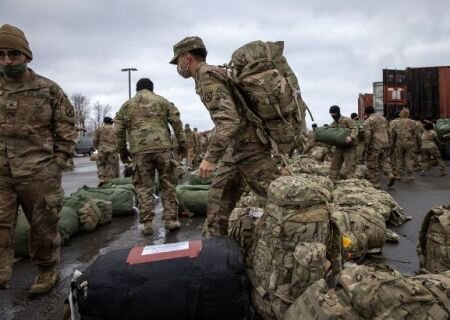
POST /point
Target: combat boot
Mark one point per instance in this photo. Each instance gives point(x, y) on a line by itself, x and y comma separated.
point(45, 281)
point(4, 284)
point(391, 180)
point(172, 225)
point(147, 230)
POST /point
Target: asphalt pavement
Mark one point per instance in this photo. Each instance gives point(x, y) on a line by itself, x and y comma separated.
point(415, 197)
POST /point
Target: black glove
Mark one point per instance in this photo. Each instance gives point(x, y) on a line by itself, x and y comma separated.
point(125, 156)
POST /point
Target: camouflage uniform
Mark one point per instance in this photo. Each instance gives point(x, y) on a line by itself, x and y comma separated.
point(246, 159)
point(192, 146)
point(406, 140)
point(430, 152)
point(144, 120)
point(376, 141)
point(344, 154)
point(108, 159)
point(37, 138)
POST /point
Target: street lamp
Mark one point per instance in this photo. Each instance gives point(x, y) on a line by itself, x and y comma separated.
point(129, 79)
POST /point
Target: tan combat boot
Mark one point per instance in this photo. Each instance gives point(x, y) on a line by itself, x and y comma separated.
point(172, 225)
point(45, 281)
point(147, 229)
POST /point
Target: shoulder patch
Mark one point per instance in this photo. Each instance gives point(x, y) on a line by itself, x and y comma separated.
point(208, 96)
point(69, 111)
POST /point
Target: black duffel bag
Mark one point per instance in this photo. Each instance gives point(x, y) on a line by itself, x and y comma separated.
point(200, 279)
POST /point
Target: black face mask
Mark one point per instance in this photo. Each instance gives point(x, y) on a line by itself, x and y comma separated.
point(336, 117)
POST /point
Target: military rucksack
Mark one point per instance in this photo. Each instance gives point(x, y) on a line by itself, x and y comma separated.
point(442, 127)
point(289, 250)
point(433, 247)
point(270, 90)
point(375, 292)
point(363, 230)
point(241, 225)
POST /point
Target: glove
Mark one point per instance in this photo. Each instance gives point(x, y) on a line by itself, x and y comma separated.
point(125, 156)
point(182, 151)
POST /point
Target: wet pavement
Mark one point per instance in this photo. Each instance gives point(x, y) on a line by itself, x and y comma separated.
point(416, 198)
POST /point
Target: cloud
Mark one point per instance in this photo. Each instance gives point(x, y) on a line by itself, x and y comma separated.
point(337, 48)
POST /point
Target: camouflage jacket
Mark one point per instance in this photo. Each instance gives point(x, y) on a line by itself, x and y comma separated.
point(105, 139)
point(144, 120)
point(405, 133)
point(37, 126)
point(191, 139)
point(375, 130)
point(430, 139)
point(232, 128)
point(345, 122)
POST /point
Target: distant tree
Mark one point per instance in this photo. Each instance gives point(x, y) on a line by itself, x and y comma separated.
point(81, 105)
point(99, 112)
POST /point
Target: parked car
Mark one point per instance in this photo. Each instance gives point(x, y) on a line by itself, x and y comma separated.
point(85, 146)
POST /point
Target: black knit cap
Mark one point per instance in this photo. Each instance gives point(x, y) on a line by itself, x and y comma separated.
point(107, 120)
point(144, 83)
point(335, 109)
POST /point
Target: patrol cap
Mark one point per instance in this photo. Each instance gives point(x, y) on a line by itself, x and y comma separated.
point(186, 45)
point(13, 38)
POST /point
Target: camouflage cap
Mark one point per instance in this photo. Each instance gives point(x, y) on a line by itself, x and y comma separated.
point(186, 45)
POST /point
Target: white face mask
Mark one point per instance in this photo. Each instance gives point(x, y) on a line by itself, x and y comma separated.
point(183, 70)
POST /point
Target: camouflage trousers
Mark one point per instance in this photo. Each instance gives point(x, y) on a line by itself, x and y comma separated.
point(190, 158)
point(228, 184)
point(360, 153)
point(405, 160)
point(40, 197)
point(430, 157)
point(108, 166)
point(145, 165)
point(377, 160)
point(340, 156)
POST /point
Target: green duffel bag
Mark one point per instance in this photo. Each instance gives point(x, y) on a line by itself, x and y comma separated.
point(193, 200)
point(442, 127)
point(87, 211)
point(123, 200)
point(332, 136)
point(22, 235)
point(68, 224)
point(105, 210)
point(195, 179)
point(119, 181)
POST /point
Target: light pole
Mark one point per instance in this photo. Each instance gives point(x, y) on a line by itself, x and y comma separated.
point(129, 79)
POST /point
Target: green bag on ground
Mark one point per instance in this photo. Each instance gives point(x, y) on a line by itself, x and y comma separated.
point(22, 235)
point(195, 179)
point(193, 199)
point(68, 224)
point(123, 201)
point(120, 181)
point(433, 247)
point(88, 212)
point(332, 136)
point(105, 209)
point(442, 126)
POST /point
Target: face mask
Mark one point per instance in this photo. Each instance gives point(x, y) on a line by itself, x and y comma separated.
point(183, 70)
point(13, 71)
point(336, 117)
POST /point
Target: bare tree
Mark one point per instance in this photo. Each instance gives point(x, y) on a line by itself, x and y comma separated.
point(99, 112)
point(81, 104)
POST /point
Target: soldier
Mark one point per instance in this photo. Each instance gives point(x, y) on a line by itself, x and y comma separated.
point(360, 143)
point(406, 140)
point(430, 151)
point(343, 154)
point(37, 138)
point(198, 146)
point(376, 141)
point(144, 120)
point(191, 144)
point(244, 158)
point(108, 160)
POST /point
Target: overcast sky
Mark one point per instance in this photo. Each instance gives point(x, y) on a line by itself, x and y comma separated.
point(337, 48)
